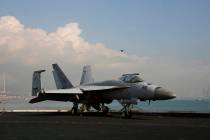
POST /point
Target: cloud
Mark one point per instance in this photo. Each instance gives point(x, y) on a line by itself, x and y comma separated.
point(24, 49)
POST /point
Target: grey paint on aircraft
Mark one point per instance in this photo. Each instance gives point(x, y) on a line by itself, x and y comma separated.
point(129, 88)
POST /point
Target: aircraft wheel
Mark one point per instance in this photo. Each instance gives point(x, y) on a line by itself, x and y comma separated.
point(129, 114)
point(105, 109)
point(74, 111)
point(124, 114)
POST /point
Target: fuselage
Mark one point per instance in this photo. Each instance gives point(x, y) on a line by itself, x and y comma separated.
point(139, 90)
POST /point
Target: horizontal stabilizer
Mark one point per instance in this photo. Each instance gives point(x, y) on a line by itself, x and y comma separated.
point(36, 100)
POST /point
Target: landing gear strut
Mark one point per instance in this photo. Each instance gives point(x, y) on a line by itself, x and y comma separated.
point(74, 109)
point(84, 108)
point(126, 111)
point(104, 109)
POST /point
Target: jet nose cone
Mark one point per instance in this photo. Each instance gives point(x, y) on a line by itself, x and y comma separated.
point(163, 94)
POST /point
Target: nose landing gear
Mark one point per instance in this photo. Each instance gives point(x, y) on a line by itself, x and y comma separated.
point(126, 110)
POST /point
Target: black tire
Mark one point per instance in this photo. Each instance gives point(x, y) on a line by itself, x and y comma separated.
point(124, 114)
point(129, 114)
point(74, 111)
point(105, 110)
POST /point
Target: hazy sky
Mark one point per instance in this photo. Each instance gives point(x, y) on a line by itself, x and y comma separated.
point(167, 41)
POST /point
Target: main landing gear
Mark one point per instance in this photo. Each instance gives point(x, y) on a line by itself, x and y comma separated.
point(104, 109)
point(86, 108)
point(126, 110)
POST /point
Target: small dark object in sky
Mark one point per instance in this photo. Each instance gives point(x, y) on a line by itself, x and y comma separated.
point(121, 50)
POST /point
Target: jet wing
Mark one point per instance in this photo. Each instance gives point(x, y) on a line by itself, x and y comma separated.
point(90, 88)
point(72, 93)
point(65, 91)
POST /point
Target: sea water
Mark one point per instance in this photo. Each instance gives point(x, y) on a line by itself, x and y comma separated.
point(153, 106)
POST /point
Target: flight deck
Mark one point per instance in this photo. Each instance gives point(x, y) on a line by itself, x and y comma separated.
point(93, 125)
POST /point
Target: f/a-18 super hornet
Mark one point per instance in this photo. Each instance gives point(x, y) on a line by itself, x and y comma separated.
point(128, 89)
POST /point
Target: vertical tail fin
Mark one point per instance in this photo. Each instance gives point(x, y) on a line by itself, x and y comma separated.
point(36, 82)
point(57, 81)
point(86, 75)
point(60, 78)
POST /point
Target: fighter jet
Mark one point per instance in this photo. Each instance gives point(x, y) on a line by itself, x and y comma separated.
point(128, 90)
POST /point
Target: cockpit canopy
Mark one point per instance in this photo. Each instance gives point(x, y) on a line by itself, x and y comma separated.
point(131, 78)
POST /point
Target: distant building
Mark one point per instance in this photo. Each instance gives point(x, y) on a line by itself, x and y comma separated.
point(209, 92)
point(206, 93)
point(3, 92)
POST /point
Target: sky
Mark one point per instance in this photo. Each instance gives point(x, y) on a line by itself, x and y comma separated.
point(166, 41)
